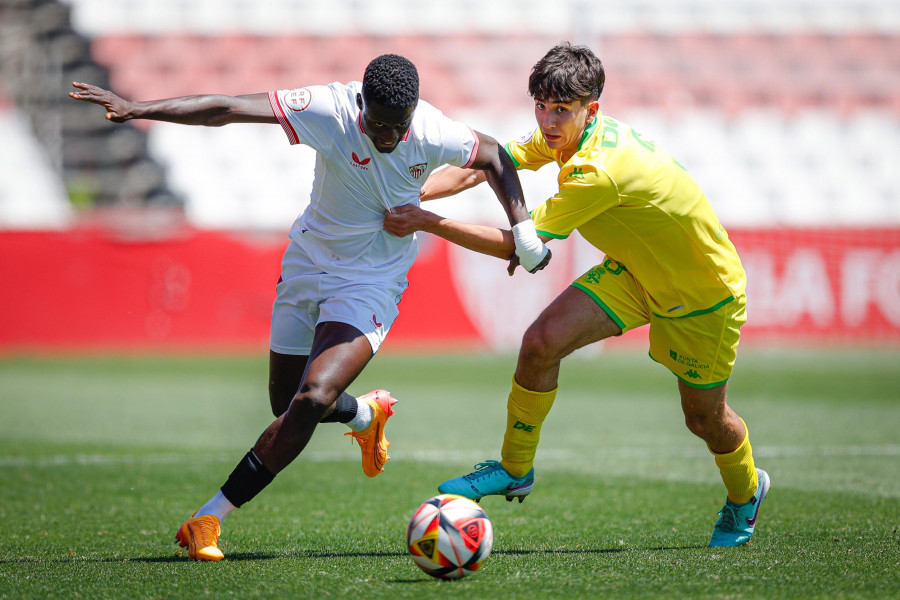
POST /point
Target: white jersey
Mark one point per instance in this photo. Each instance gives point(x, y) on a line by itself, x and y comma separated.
point(342, 228)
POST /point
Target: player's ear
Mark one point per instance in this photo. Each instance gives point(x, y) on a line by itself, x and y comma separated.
point(359, 101)
point(593, 110)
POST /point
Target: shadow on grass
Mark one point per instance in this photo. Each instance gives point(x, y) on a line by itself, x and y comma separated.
point(245, 556)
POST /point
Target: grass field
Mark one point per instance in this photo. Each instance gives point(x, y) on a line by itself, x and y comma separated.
point(102, 459)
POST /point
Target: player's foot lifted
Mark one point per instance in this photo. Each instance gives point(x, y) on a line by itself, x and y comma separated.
point(371, 440)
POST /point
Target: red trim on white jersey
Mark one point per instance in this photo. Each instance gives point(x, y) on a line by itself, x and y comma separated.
point(474, 150)
point(293, 138)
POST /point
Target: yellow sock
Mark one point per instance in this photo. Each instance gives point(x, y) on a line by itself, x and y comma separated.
point(526, 411)
point(738, 471)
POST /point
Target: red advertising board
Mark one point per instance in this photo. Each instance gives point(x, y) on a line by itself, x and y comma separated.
point(97, 289)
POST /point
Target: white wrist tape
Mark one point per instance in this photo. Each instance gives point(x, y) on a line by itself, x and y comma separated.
point(529, 247)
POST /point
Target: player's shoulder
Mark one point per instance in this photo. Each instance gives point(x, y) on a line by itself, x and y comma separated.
point(319, 98)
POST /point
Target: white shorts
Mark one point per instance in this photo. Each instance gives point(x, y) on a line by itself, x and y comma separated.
point(306, 297)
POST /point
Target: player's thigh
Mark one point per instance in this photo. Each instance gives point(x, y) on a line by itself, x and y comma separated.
point(700, 350)
point(339, 354)
point(573, 320)
point(285, 374)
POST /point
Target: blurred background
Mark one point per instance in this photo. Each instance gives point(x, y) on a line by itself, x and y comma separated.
point(159, 236)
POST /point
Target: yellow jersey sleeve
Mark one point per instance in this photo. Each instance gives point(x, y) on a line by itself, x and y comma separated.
point(585, 191)
point(530, 151)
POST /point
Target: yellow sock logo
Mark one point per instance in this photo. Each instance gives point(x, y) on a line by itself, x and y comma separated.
point(523, 426)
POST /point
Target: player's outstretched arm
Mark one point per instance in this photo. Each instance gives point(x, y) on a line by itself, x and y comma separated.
point(406, 219)
point(208, 110)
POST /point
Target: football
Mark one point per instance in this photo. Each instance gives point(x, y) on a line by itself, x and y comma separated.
point(449, 536)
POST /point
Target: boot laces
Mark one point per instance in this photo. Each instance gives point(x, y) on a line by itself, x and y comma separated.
point(484, 470)
point(728, 520)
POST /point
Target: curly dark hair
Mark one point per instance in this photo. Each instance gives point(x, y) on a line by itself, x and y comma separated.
point(567, 73)
point(392, 81)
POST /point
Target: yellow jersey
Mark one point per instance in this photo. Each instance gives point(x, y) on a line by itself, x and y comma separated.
point(639, 206)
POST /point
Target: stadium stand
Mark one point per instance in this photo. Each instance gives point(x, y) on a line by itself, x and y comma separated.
point(26, 172)
point(750, 96)
point(99, 165)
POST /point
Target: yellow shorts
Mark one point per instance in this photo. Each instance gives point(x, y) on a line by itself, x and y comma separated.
point(699, 349)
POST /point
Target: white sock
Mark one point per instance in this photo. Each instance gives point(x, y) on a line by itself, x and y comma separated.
point(363, 416)
point(218, 505)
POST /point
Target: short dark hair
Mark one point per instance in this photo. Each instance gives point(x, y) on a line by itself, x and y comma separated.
point(567, 73)
point(391, 81)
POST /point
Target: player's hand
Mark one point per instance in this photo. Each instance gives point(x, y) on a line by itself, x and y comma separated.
point(117, 109)
point(514, 262)
point(405, 220)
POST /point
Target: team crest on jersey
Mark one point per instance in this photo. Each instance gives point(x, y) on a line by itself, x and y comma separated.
point(298, 100)
point(417, 170)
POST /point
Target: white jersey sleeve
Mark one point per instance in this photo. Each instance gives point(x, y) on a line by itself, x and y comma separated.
point(309, 115)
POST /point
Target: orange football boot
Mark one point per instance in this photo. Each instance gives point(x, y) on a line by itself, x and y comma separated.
point(371, 440)
point(201, 536)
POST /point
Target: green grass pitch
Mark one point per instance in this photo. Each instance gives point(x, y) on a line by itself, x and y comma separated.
point(102, 458)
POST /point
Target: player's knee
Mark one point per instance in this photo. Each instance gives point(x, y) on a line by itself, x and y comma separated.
point(697, 424)
point(312, 402)
point(707, 426)
point(536, 345)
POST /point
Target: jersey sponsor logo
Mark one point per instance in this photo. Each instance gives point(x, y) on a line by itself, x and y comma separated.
point(360, 163)
point(417, 170)
point(696, 369)
point(298, 100)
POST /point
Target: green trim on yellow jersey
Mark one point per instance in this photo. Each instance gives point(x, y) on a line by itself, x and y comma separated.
point(701, 386)
point(516, 163)
point(588, 131)
point(703, 311)
point(601, 303)
point(555, 236)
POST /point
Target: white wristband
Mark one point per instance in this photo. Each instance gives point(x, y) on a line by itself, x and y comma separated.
point(529, 247)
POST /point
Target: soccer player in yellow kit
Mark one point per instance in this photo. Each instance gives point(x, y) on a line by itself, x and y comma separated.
point(669, 263)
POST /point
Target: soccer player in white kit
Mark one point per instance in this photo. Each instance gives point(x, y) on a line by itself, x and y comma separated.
point(342, 273)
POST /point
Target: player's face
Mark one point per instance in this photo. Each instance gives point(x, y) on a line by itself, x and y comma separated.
point(384, 126)
point(563, 123)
